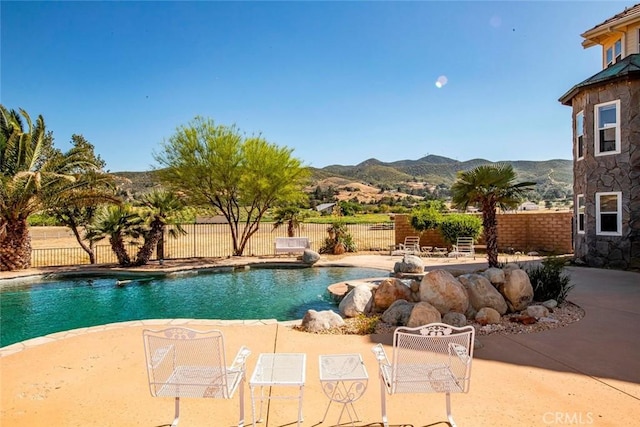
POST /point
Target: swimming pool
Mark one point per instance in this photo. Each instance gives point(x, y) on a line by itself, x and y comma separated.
point(42, 308)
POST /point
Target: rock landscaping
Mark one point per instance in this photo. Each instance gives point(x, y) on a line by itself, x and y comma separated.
point(494, 301)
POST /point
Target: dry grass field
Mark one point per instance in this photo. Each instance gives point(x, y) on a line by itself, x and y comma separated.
point(57, 245)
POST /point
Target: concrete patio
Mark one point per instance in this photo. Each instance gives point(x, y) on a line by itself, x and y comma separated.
point(587, 373)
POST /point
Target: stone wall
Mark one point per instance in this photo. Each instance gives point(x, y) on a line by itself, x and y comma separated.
point(547, 232)
point(618, 172)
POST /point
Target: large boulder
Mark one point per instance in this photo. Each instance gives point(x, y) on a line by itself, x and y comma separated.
point(423, 313)
point(494, 275)
point(487, 315)
point(443, 291)
point(409, 264)
point(389, 291)
point(398, 314)
point(482, 293)
point(517, 289)
point(357, 301)
point(316, 321)
point(310, 257)
point(454, 319)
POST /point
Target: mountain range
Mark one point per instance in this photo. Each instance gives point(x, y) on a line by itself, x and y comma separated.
point(554, 178)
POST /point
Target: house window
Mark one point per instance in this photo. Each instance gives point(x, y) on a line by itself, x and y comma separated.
point(607, 117)
point(580, 213)
point(614, 53)
point(617, 51)
point(609, 213)
point(580, 135)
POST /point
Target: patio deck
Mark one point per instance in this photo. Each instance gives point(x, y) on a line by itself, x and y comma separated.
point(586, 373)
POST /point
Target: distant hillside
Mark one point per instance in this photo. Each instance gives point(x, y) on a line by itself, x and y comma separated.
point(442, 170)
point(553, 177)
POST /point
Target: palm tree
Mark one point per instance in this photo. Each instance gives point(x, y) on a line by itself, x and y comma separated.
point(489, 187)
point(290, 215)
point(117, 223)
point(29, 166)
point(160, 208)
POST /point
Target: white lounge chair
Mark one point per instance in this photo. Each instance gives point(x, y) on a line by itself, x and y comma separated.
point(183, 362)
point(434, 358)
point(410, 246)
point(464, 247)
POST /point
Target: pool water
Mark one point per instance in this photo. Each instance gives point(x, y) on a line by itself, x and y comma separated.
point(283, 294)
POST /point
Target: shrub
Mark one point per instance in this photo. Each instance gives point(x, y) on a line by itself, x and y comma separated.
point(338, 234)
point(361, 325)
point(42, 219)
point(548, 280)
point(460, 225)
point(425, 218)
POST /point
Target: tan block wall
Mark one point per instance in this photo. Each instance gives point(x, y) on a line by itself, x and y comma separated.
point(523, 231)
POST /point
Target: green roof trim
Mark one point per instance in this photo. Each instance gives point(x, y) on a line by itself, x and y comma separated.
point(627, 67)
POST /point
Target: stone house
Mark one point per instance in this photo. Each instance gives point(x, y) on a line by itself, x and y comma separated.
point(606, 142)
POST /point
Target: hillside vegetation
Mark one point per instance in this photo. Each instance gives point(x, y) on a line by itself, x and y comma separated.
point(430, 174)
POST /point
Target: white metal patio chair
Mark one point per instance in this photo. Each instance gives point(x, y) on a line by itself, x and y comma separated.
point(434, 358)
point(184, 362)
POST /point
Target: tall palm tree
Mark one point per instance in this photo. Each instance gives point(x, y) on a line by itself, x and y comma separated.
point(160, 209)
point(489, 187)
point(29, 165)
point(290, 215)
point(117, 222)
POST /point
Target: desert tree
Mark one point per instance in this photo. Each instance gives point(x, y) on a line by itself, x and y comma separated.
point(489, 187)
point(77, 208)
point(241, 177)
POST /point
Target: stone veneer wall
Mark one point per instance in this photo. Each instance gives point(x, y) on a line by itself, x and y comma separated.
point(539, 231)
point(615, 172)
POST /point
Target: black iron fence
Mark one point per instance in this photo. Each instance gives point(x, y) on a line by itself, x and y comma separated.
point(214, 241)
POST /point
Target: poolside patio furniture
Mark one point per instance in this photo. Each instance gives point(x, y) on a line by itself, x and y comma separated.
point(291, 245)
point(464, 247)
point(184, 362)
point(433, 358)
point(344, 380)
point(282, 370)
point(410, 246)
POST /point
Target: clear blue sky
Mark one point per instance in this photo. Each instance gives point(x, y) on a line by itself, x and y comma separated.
point(339, 82)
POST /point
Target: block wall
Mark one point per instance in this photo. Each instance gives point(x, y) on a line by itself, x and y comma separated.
point(549, 232)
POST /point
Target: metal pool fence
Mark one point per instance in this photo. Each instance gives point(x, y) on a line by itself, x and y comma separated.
point(214, 240)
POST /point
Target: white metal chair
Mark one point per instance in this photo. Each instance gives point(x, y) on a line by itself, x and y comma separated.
point(434, 358)
point(184, 362)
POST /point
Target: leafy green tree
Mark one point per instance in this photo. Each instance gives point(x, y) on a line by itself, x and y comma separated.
point(460, 225)
point(30, 166)
point(349, 208)
point(76, 208)
point(160, 208)
point(292, 216)
point(241, 177)
point(489, 187)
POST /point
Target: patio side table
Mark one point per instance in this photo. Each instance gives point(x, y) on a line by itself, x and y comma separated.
point(278, 369)
point(344, 380)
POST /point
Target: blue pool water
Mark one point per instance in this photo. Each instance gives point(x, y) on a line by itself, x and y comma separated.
point(284, 294)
